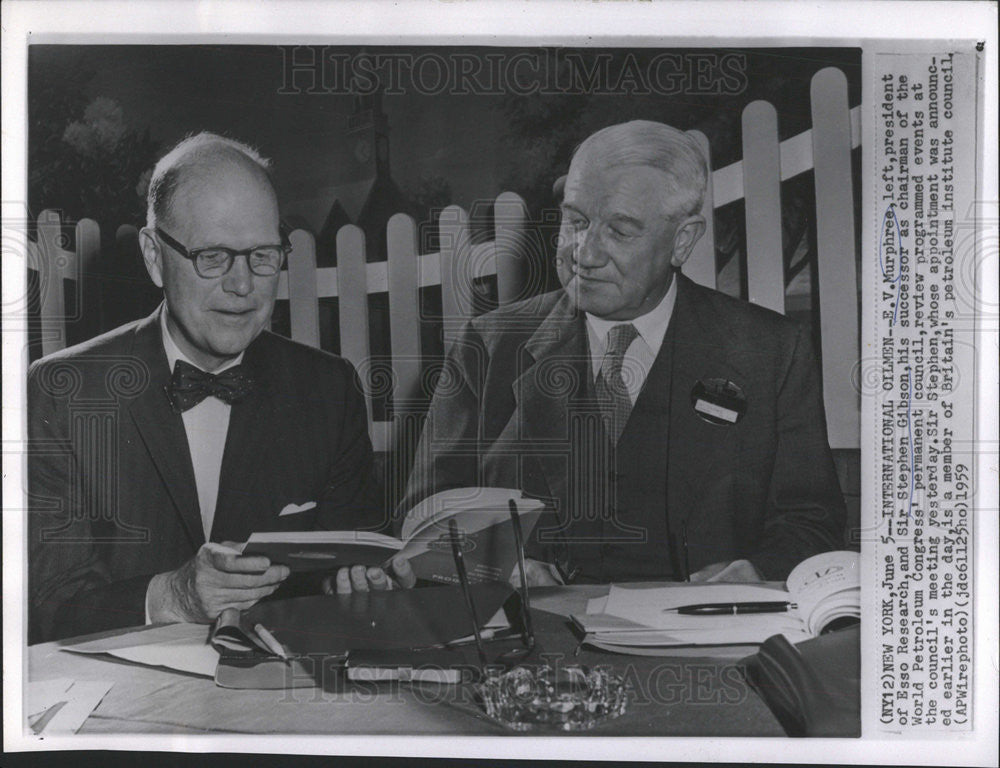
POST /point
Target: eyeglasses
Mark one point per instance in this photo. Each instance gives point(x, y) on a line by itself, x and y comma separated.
point(217, 260)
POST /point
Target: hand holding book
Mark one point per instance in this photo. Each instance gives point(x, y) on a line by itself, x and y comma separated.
point(358, 578)
point(216, 578)
point(482, 516)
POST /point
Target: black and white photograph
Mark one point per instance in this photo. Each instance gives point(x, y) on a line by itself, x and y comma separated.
point(500, 390)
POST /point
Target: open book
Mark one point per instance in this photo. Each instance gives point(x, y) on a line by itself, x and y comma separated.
point(482, 516)
point(822, 591)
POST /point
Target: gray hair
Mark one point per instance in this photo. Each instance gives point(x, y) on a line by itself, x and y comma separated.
point(644, 142)
point(190, 153)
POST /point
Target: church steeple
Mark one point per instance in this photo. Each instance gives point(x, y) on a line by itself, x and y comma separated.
point(368, 138)
point(364, 193)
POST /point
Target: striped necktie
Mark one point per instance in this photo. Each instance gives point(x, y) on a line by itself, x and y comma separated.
point(611, 390)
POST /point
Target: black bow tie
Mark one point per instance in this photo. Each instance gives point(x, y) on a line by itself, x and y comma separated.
point(189, 386)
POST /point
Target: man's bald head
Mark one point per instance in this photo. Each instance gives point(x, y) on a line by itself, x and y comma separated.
point(197, 160)
point(657, 145)
point(212, 195)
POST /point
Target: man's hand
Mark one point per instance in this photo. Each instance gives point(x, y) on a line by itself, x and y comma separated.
point(357, 578)
point(537, 573)
point(217, 577)
point(737, 570)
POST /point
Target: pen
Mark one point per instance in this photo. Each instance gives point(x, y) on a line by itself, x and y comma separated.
point(529, 632)
point(271, 642)
point(731, 609)
point(485, 635)
point(684, 544)
point(463, 579)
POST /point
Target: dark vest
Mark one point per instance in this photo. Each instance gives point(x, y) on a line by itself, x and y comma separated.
point(623, 490)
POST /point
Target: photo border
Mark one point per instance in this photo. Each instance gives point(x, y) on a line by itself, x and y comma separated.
point(562, 23)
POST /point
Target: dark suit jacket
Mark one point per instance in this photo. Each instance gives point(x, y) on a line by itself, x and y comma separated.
point(764, 489)
point(112, 492)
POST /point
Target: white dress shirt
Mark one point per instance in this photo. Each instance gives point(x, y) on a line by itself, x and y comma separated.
point(641, 353)
point(206, 426)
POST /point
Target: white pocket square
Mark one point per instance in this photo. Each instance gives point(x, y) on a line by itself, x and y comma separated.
point(294, 509)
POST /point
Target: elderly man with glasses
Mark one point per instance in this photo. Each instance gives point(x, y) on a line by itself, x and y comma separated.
point(156, 445)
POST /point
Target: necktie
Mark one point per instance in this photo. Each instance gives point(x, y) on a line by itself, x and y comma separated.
point(611, 390)
point(189, 386)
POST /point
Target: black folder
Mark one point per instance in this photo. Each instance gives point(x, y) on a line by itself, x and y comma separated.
point(318, 631)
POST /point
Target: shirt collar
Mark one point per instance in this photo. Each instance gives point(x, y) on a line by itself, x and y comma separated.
point(652, 326)
point(174, 352)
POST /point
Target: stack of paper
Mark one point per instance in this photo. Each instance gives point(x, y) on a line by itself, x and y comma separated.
point(62, 705)
point(821, 592)
point(643, 617)
point(183, 647)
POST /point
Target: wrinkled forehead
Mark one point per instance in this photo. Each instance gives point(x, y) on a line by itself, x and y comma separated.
point(604, 186)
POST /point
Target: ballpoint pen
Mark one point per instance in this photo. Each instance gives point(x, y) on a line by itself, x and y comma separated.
point(731, 609)
point(463, 579)
point(486, 635)
point(515, 521)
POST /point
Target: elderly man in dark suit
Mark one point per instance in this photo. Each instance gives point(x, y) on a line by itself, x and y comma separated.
point(677, 432)
point(155, 445)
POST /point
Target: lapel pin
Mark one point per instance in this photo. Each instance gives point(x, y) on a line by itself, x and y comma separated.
point(718, 401)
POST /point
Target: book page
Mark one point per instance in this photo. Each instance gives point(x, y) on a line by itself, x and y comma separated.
point(490, 505)
point(750, 631)
point(323, 537)
point(816, 580)
point(305, 551)
point(485, 536)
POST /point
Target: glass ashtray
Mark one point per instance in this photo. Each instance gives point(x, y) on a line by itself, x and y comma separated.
point(570, 698)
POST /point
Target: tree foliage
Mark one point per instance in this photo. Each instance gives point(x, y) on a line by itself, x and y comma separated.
point(84, 159)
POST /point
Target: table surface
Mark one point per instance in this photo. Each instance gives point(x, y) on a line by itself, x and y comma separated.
point(671, 695)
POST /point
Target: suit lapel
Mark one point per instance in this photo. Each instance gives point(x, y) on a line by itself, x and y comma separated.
point(162, 430)
point(251, 425)
point(556, 369)
point(700, 350)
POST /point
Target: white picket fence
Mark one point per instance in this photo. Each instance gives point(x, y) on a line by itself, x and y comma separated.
point(825, 149)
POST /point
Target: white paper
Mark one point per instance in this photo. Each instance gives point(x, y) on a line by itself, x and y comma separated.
point(81, 697)
point(183, 647)
point(651, 607)
point(39, 695)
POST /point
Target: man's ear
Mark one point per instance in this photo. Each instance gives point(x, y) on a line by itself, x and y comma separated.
point(688, 232)
point(152, 255)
